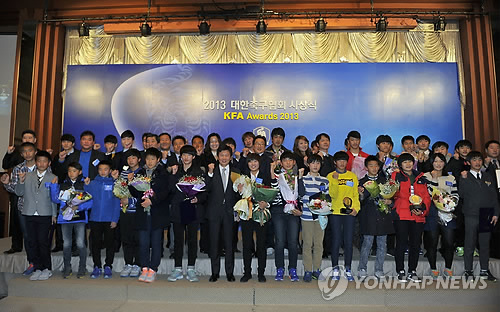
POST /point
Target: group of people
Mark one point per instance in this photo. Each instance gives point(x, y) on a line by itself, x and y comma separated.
point(303, 175)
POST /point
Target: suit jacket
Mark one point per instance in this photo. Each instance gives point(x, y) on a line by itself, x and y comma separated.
point(11, 160)
point(37, 198)
point(220, 203)
point(327, 166)
point(61, 169)
point(478, 194)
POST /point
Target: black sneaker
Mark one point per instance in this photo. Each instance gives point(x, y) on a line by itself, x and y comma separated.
point(67, 273)
point(486, 274)
point(412, 276)
point(469, 275)
point(402, 276)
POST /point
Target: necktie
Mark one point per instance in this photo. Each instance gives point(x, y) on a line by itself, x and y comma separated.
point(224, 182)
point(478, 176)
point(40, 181)
point(495, 163)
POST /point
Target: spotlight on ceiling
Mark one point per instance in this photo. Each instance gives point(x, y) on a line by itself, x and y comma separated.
point(145, 29)
point(261, 26)
point(440, 24)
point(83, 30)
point(381, 24)
point(320, 25)
point(204, 27)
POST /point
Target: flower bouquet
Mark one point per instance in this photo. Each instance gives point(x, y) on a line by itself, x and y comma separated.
point(445, 203)
point(189, 186)
point(289, 190)
point(265, 193)
point(387, 191)
point(373, 188)
point(390, 166)
point(73, 198)
point(244, 206)
point(143, 184)
point(120, 190)
point(321, 204)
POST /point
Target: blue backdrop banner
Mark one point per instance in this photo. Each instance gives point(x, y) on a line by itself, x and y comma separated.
point(303, 99)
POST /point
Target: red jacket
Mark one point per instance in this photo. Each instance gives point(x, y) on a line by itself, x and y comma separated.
point(402, 197)
point(351, 158)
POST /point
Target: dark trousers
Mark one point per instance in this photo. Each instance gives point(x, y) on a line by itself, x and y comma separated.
point(15, 224)
point(236, 226)
point(408, 233)
point(286, 229)
point(38, 228)
point(342, 231)
point(431, 239)
point(129, 238)
point(27, 246)
point(58, 236)
point(224, 224)
point(150, 246)
point(204, 237)
point(98, 231)
point(460, 229)
point(247, 230)
point(471, 238)
point(189, 231)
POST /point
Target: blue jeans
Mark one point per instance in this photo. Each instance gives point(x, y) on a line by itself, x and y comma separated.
point(150, 246)
point(342, 228)
point(286, 228)
point(366, 248)
point(67, 233)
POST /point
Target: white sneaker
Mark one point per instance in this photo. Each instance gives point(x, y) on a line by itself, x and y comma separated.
point(175, 275)
point(45, 275)
point(191, 276)
point(270, 251)
point(136, 271)
point(126, 271)
point(36, 275)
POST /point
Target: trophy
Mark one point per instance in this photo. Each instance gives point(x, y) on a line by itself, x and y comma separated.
point(347, 209)
point(416, 202)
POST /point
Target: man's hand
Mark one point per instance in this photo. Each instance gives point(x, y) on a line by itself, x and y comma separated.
point(54, 220)
point(50, 151)
point(194, 200)
point(494, 220)
point(174, 169)
point(335, 175)
point(353, 213)
point(417, 212)
point(22, 177)
point(54, 181)
point(115, 174)
point(124, 201)
point(464, 174)
point(5, 179)
point(62, 155)
point(164, 154)
point(245, 151)
point(296, 212)
point(211, 168)
point(146, 203)
point(301, 173)
point(130, 176)
point(262, 205)
point(112, 225)
point(361, 190)
point(11, 149)
point(240, 188)
point(97, 146)
point(86, 181)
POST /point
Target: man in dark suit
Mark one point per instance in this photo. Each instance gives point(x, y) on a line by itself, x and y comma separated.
point(87, 157)
point(491, 165)
point(481, 210)
point(220, 212)
point(127, 138)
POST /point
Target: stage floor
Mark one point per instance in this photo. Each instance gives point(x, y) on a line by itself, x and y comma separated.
point(17, 263)
point(127, 294)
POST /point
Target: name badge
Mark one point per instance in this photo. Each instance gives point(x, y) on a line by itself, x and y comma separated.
point(108, 187)
point(258, 180)
point(448, 183)
point(349, 183)
point(96, 162)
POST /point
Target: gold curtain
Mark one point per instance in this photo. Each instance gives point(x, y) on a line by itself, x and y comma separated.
point(418, 45)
